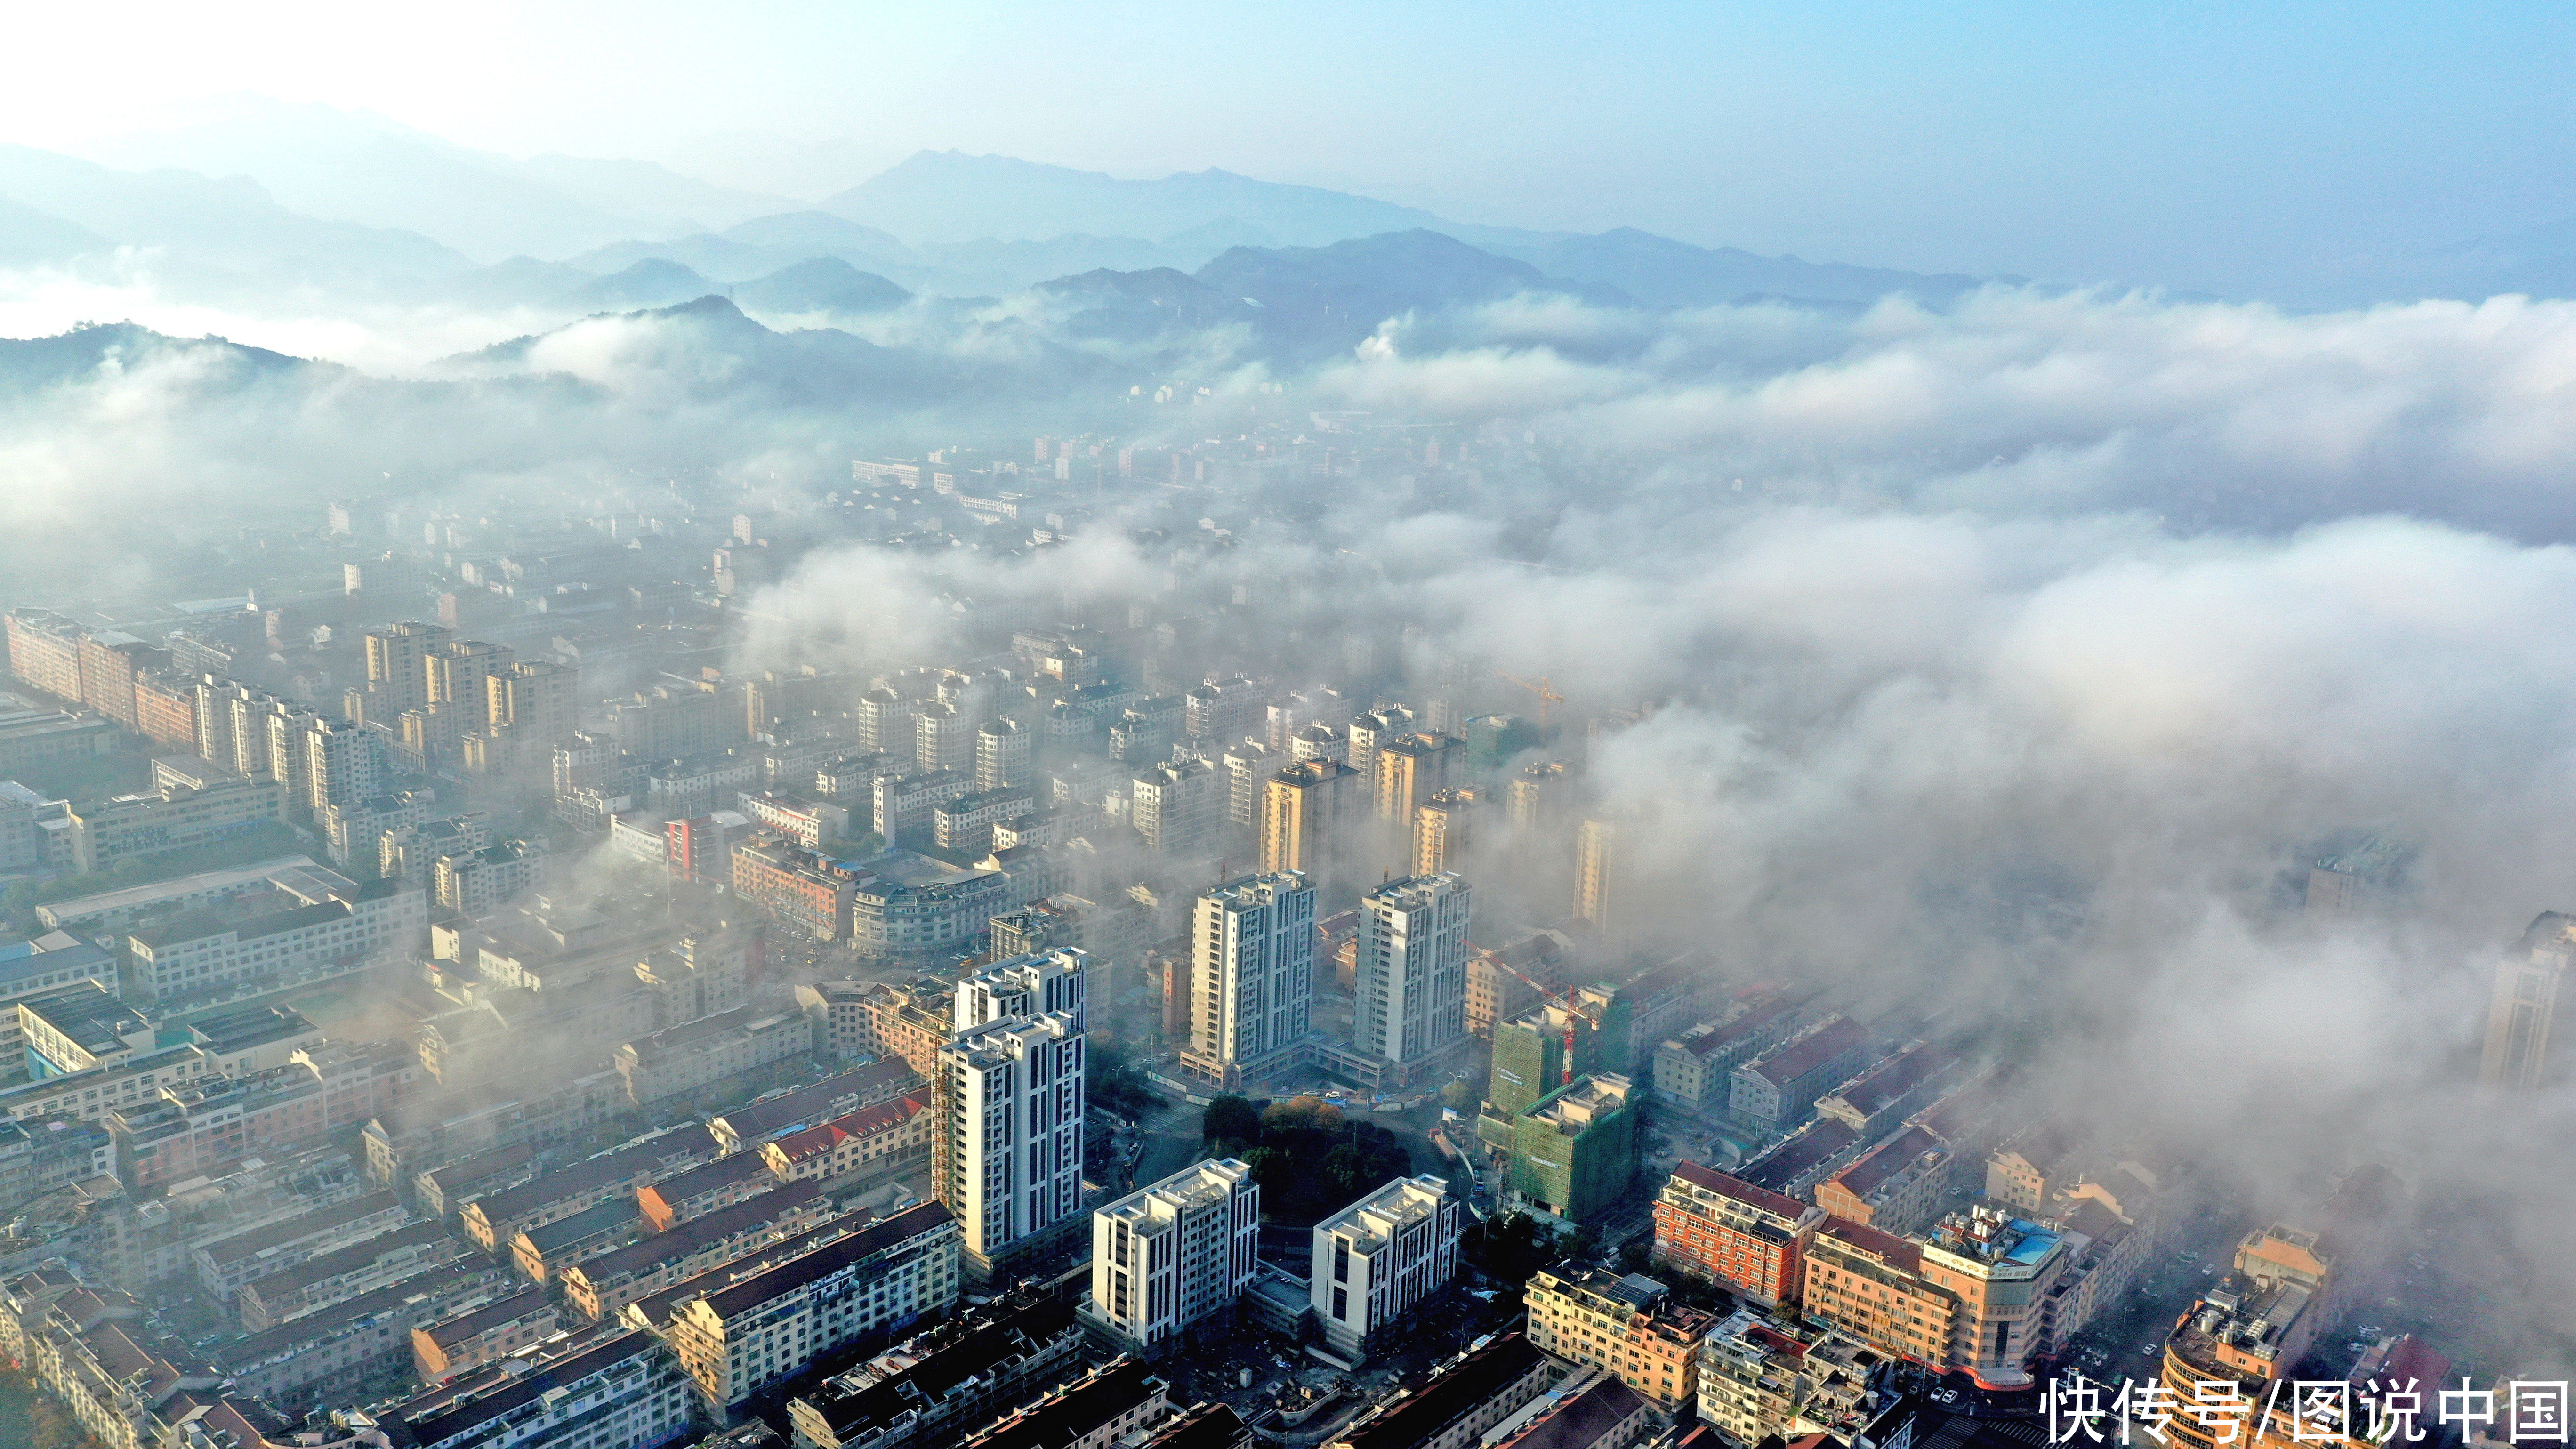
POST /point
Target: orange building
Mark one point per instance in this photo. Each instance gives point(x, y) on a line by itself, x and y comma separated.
point(165, 711)
point(1870, 1285)
point(794, 885)
point(1747, 1239)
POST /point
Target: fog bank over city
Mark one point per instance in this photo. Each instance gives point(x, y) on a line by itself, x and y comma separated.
point(2161, 702)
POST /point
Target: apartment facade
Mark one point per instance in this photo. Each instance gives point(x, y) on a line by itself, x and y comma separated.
point(745, 1336)
point(1167, 1256)
point(1411, 968)
point(1724, 1230)
point(1252, 970)
point(1011, 1163)
point(1625, 1324)
point(1375, 1260)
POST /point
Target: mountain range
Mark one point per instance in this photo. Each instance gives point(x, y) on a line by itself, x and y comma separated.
point(255, 193)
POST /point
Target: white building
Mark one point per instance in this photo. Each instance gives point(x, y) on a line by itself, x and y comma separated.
point(1252, 975)
point(1378, 1258)
point(1412, 968)
point(334, 928)
point(1178, 808)
point(600, 1386)
point(1012, 1138)
point(1025, 986)
point(1164, 1257)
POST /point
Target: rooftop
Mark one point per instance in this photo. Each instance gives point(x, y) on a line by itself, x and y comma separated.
point(1737, 1188)
point(1893, 1077)
point(92, 1017)
point(1887, 1248)
point(706, 1177)
point(1806, 1150)
point(353, 1257)
point(812, 1103)
point(141, 896)
point(1583, 1419)
point(611, 1216)
point(590, 1176)
point(49, 954)
point(874, 1238)
point(1889, 1159)
point(686, 1238)
point(447, 1333)
point(926, 1368)
point(270, 1236)
point(1403, 1201)
point(443, 1417)
point(1809, 1052)
point(1452, 1393)
point(1070, 1412)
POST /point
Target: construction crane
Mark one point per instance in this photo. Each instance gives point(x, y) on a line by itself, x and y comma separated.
point(1558, 996)
point(1545, 691)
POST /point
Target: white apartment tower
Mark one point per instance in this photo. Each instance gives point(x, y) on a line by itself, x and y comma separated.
point(1164, 1257)
point(1412, 968)
point(1379, 1257)
point(1012, 1164)
point(1035, 985)
point(1002, 755)
point(1252, 974)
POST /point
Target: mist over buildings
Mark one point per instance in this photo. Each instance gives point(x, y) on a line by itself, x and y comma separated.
point(2001, 653)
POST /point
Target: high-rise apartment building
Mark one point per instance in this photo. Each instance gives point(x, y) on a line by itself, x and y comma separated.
point(1307, 811)
point(343, 764)
point(1538, 797)
point(1177, 808)
point(1252, 976)
point(1596, 878)
point(1378, 1258)
point(943, 739)
point(1222, 709)
point(1319, 741)
point(1003, 758)
point(1010, 1158)
point(1033, 985)
point(1411, 986)
point(1166, 1256)
point(529, 706)
point(1409, 770)
point(885, 723)
point(459, 699)
point(1443, 830)
point(2531, 1017)
point(1248, 765)
point(397, 673)
point(1373, 730)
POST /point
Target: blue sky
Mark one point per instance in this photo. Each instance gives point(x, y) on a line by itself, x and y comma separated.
point(2196, 144)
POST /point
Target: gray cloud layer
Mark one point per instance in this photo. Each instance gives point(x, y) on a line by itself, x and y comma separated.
point(2009, 654)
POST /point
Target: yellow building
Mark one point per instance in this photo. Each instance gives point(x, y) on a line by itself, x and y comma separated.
point(1307, 813)
point(1628, 1326)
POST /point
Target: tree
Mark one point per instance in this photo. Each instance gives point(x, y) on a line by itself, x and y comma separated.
point(1231, 1119)
point(1457, 1096)
point(1637, 1255)
point(1585, 1245)
point(1112, 1079)
point(1510, 1248)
